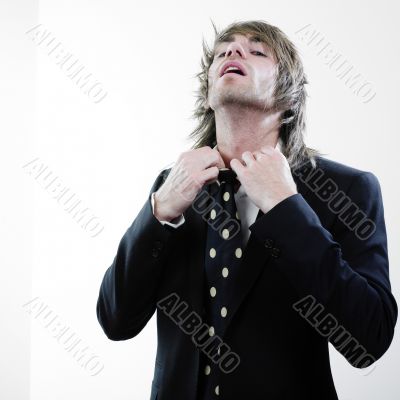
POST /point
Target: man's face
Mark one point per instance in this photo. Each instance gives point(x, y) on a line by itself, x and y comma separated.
point(255, 88)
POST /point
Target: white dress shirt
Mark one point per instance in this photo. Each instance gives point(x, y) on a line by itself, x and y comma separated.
point(247, 211)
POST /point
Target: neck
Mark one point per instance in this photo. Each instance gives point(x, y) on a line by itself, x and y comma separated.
point(239, 130)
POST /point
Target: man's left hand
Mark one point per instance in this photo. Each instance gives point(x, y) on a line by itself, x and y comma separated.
point(266, 177)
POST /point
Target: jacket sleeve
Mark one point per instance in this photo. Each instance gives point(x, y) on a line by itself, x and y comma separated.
point(346, 274)
point(127, 295)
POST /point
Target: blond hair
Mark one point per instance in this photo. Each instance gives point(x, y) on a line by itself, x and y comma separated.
point(289, 91)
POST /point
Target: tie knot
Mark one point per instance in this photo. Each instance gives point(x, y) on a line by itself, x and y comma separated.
point(227, 175)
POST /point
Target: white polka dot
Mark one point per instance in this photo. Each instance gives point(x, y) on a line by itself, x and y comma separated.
point(237, 215)
point(224, 311)
point(238, 252)
point(213, 252)
point(219, 350)
point(211, 331)
point(225, 272)
point(213, 214)
point(207, 370)
point(225, 233)
point(226, 196)
point(217, 390)
point(213, 291)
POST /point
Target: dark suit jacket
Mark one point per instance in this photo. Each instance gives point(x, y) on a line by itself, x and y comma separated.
point(308, 267)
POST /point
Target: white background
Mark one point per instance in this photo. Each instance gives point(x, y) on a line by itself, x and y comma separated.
point(146, 55)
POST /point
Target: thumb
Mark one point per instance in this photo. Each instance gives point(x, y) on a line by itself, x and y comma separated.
point(237, 166)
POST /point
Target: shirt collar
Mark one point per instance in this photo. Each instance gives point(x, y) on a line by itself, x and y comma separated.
point(241, 192)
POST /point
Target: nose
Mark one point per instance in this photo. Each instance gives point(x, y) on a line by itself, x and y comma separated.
point(235, 48)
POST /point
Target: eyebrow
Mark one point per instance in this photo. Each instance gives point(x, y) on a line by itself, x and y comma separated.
point(230, 38)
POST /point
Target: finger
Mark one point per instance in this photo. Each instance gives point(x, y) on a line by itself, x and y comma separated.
point(208, 157)
point(221, 162)
point(209, 175)
point(267, 149)
point(257, 154)
point(248, 158)
point(237, 167)
point(216, 159)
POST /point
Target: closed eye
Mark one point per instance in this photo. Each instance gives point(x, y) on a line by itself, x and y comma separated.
point(260, 53)
point(256, 51)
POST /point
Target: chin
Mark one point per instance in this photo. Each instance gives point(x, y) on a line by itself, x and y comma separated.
point(234, 97)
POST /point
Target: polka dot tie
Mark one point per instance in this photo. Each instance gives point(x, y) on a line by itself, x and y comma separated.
point(222, 260)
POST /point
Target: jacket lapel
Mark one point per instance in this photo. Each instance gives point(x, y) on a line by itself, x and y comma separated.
point(196, 234)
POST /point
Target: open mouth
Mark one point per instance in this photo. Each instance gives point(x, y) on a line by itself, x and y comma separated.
point(233, 67)
point(233, 70)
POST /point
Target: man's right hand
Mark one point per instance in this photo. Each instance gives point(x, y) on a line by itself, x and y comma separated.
point(193, 169)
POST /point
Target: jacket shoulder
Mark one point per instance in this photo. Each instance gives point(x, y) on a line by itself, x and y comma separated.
point(341, 173)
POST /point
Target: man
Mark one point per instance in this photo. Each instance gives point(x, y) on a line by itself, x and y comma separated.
point(308, 262)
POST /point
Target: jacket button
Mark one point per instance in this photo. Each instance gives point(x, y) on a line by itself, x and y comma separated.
point(268, 243)
point(155, 252)
point(275, 252)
